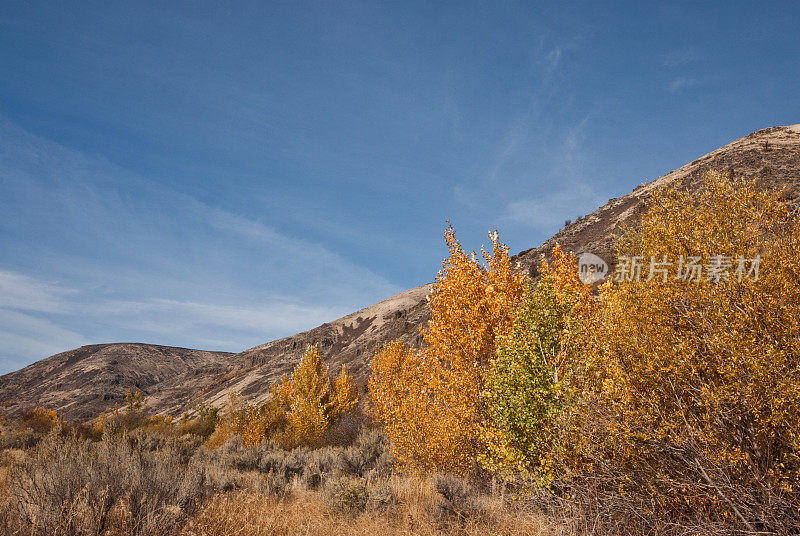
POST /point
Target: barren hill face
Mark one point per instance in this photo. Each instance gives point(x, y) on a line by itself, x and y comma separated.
point(82, 382)
point(350, 341)
point(772, 155)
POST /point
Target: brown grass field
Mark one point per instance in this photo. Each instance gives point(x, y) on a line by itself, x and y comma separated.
point(67, 486)
point(417, 512)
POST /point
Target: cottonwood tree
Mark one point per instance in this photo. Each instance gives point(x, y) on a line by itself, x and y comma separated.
point(299, 410)
point(531, 380)
point(430, 400)
point(693, 399)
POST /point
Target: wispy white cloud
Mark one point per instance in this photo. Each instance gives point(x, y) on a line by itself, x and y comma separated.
point(536, 154)
point(569, 195)
point(514, 149)
point(553, 57)
point(551, 210)
point(24, 335)
point(679, 57)
point(166, 316)
point(90, 252)
point(33, 312)
point(681, 83)
point(21, 292)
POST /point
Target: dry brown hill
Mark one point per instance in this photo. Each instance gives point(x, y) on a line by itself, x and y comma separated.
point(772, 155)
point(80, 383)
point(83, 382)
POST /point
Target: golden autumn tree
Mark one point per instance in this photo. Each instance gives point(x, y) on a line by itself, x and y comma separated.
point(311, 400)
point(299, 410)
point(430, 400)
point(695, 397)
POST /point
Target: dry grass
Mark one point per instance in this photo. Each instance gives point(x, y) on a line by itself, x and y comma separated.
point(7, 457)
point(418, 511)
point(137, 485)
point(73, 487)
point(3, 488)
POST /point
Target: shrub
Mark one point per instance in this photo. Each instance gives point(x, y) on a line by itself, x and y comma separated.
point(411, 512)
point(17, 437)
point(381, 496)
point(41, 420)
point(118, 421)
point(353, 495)
point(348, 495)
point(320, 465)
point(148, 440)
point(692, 408)
point(290, 463)
point(457, 500)
point(208, 416)
point(252, 424)
point(365, 454)
point(72, 486)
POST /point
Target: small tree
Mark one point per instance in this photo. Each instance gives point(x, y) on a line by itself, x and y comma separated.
point(133, 401)
point(430, 401)
point(299, 410)
point(311, 401)
point(530, 383)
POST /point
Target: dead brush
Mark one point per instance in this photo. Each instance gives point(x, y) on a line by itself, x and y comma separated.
point(352, 496)
point(68, 486)
point(413, 511)
point(457, 500)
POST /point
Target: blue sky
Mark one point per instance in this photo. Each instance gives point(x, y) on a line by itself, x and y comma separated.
point(217, 175)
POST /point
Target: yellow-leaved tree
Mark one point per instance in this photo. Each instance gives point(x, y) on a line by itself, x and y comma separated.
point(311, 400)
point(299, 410)
point(430, 400)
point(694, 400)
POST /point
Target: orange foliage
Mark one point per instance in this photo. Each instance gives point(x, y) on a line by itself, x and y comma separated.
point(300, 408)
point(41, 420)
point(692, 403)
point(430, 400)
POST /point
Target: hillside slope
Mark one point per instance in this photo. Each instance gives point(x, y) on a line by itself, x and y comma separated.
point(82, 382)
point(772, 155)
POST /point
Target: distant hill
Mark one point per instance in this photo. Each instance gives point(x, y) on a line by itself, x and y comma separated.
point(80, 383)
point(83, 382)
